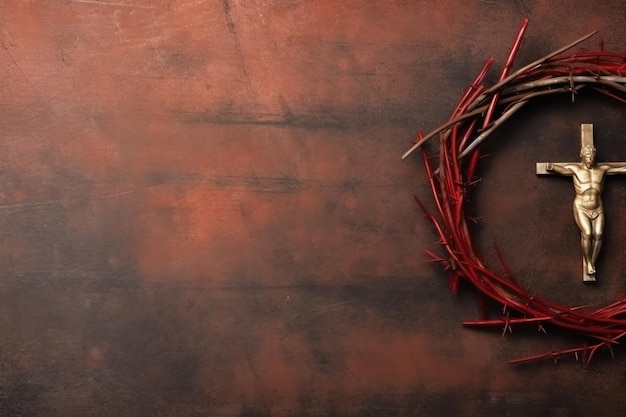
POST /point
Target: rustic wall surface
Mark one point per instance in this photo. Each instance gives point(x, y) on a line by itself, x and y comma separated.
point(203, 211)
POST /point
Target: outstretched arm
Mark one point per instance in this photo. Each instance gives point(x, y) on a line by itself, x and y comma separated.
point(614, 168)
point(561, 168)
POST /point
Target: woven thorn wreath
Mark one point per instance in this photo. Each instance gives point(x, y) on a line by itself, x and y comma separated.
point(479, 112)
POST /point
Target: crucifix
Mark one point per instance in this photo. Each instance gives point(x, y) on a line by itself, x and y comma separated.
point(588, 177)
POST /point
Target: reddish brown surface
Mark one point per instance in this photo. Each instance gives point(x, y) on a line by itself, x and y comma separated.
point(203, 210)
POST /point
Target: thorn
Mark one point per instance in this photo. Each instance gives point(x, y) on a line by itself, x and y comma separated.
point(508, 327)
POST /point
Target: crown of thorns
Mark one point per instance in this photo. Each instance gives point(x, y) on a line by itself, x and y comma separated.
point(480, 111)
point(587, 149)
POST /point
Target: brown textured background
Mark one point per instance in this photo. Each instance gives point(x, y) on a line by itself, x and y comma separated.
point(203, 211)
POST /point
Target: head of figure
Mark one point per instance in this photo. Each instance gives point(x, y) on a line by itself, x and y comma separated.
point(588, 155)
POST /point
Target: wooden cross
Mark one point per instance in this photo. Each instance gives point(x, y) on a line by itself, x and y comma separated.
point(588, 177)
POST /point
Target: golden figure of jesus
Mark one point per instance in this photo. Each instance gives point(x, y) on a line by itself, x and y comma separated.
point(588, 177)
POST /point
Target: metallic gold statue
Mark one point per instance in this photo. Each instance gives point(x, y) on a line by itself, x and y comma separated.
point(588, 179)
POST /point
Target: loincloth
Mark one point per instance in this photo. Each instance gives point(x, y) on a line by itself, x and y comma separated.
point(592, 214)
